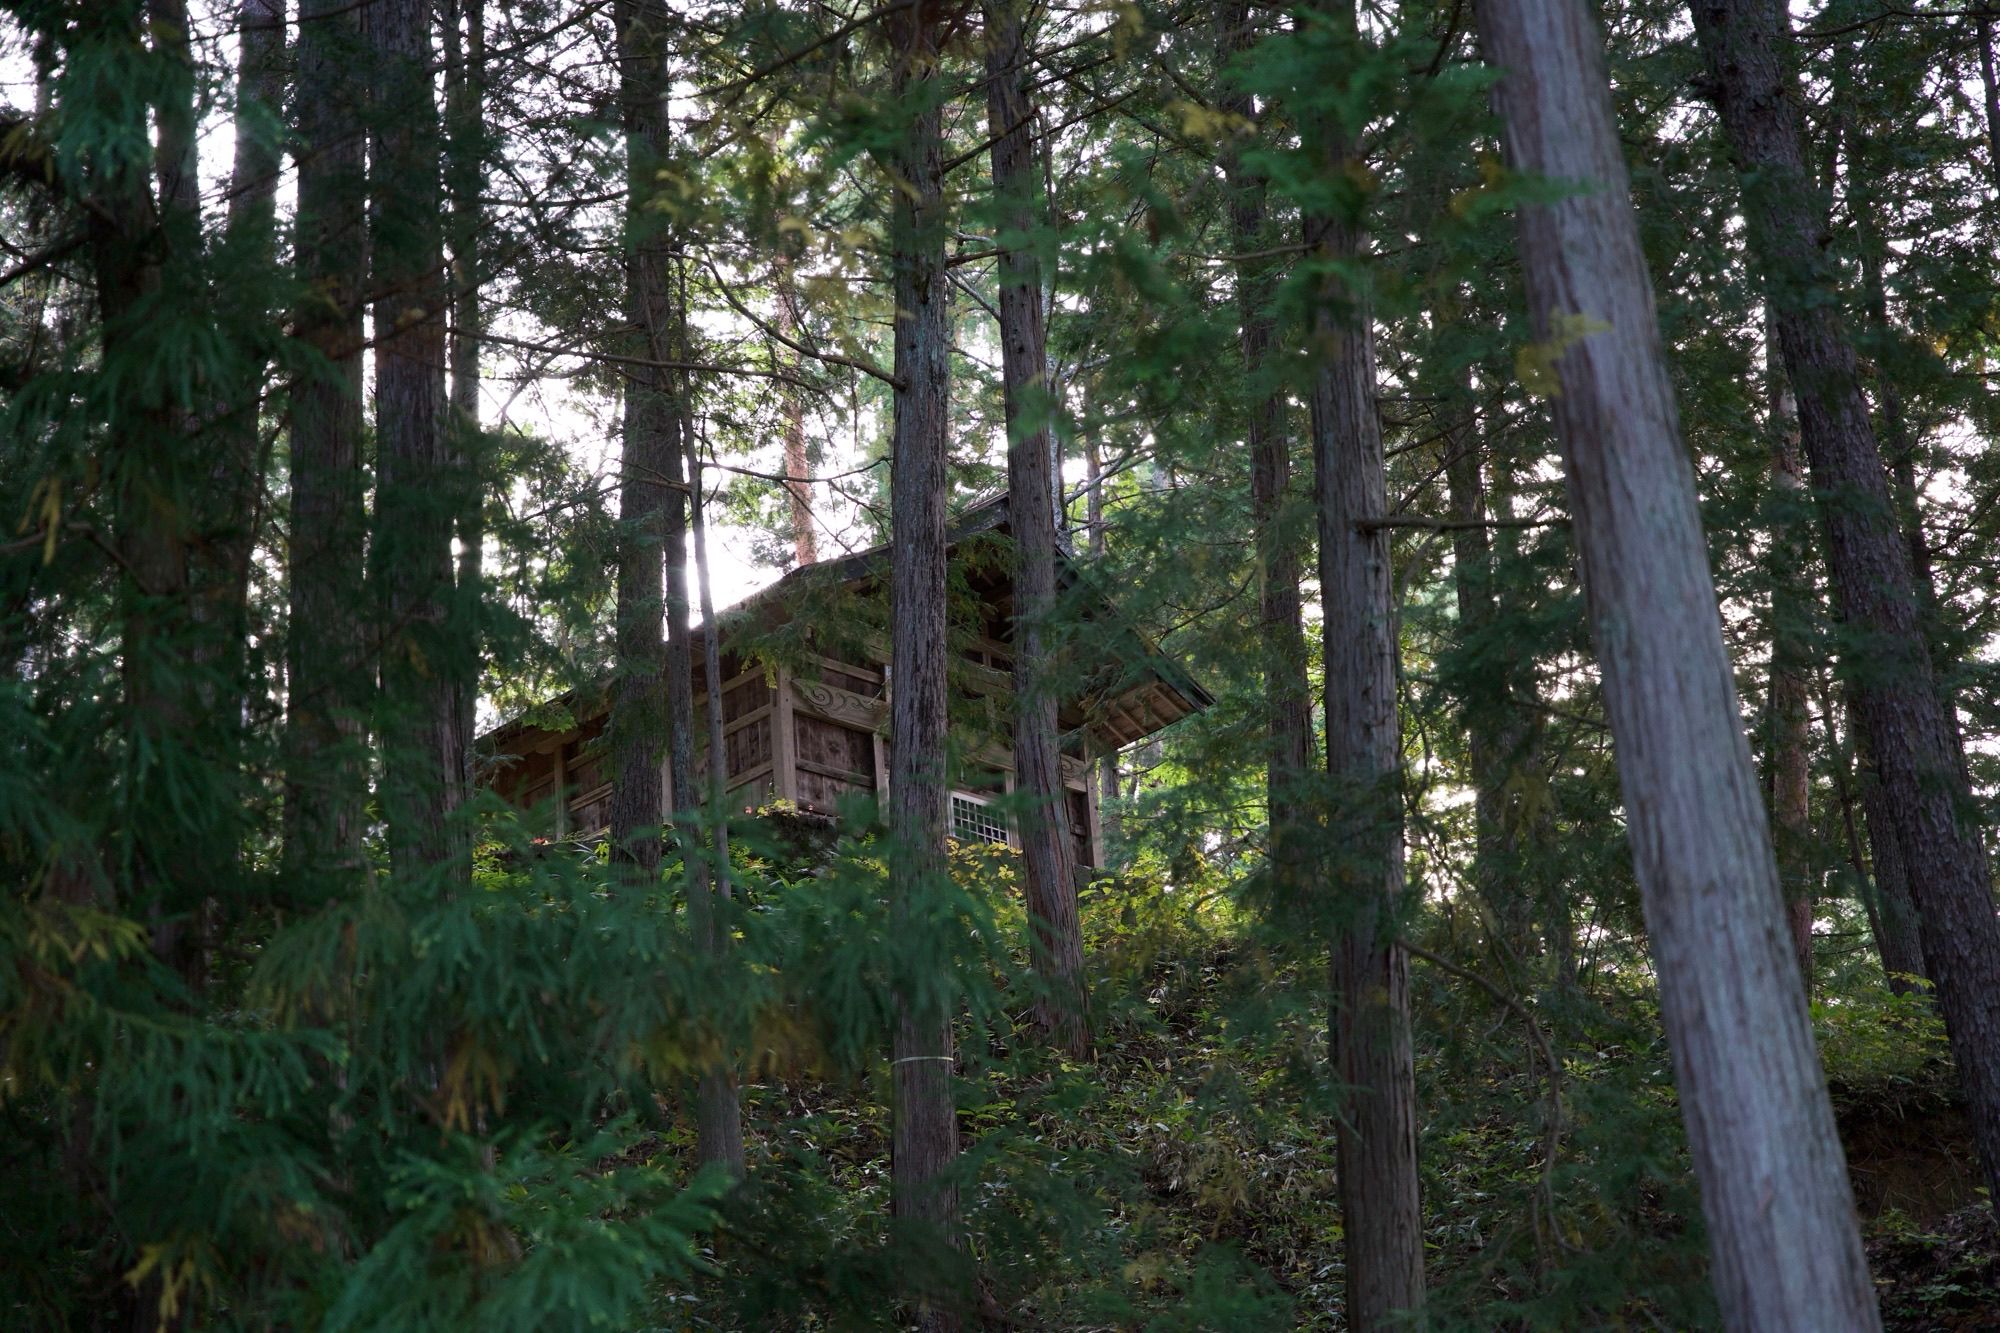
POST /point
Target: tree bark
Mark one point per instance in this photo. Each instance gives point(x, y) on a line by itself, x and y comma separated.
point(1901, 444)
point(1472, 592)
point(1898, 936)
point(798, 492)
point(326, 695)
point(175, 220)
point(130, 247)
point(1908, 726)
point(1989, 81)
point(1377, 1150)
point(175, 157)
point(925, 1135)
point(1502, 739)
point(1288, 698)
point(465, 101)
point(233, 510)
point(656, 677)
point(719, 1115)
point(1104, 768)
point(652, 705)
point(1047, 862)
point(1789, 761)
point(1886, 896)
point(423, 774)
point(1782, 1229)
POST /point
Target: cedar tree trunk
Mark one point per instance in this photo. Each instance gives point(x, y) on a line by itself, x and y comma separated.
point(925, 1136)
point(1288, 698)
point(465, 94)
point(324, 664)
point(719, 1115)
point(1790, 766)
point(656, 678)
point(423, 774)
point(1782, 1229)
point(1907, 723)
point(1381, 1213)
point(798, 491)
point(1048, 864)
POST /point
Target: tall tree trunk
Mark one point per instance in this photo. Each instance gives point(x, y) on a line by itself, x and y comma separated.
point(1789, 762)
point(252, 231)
point(652, 704)
point(1905, 719)
point(1902, 444)
point(1049, 867)
point(719, 1116)
point(1892, 915)
point(1288, 698)
point(140, 461)
point(175, 158)
point(1382, 1217)
point(465, 102)
point(1899, 937)
point(1782, 1230)
point(326, 695)
point(1501, 740)
point(1886, 894)
point(172, 567)
point(653, 556)
point(798, 491)
point(1990, 82)
point(1104, 769)
point(415, 492)
point(233, 510)
point(130, 245)
point(1472, 591)
point(925, 1137)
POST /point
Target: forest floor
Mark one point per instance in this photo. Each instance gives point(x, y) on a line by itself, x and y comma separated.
point(1186, 1178)
point(1943, 1276)
point(1933, 1241)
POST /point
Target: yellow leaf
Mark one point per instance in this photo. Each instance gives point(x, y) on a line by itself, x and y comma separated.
point(1491, 172)
point(51, 518)
point(1201, 122)
point(1535, 364)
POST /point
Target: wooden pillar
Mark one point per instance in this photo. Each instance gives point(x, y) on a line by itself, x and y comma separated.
point(1007, 791)
point(784, 742)
point(562, 790)
point(1093, 819)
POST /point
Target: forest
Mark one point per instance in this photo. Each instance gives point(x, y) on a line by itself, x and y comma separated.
point(1369, 632)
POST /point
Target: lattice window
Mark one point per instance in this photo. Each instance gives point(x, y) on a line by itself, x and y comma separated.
point(973, 820)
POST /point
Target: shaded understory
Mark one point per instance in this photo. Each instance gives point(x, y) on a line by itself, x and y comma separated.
point(1185, 1179)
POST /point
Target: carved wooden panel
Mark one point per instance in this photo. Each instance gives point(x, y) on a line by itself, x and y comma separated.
point(747, 747)
point(849, 750)
point(840, 705)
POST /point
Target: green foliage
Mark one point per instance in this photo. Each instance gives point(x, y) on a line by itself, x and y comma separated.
point(238, 1090)
point(1871, 1039)
point(521, 1236)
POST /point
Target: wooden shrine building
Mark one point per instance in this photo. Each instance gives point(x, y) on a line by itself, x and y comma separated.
point(805, 697)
